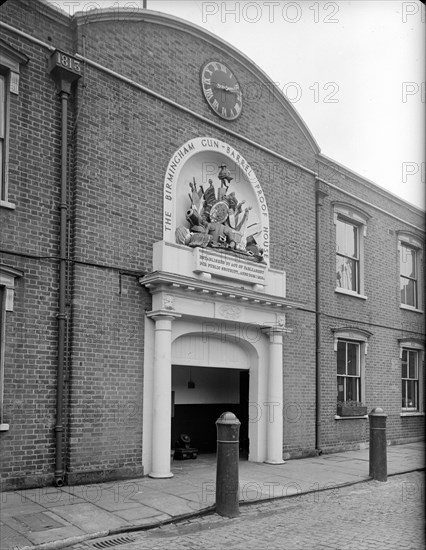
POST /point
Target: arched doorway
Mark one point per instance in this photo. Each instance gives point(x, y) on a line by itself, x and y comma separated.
point(222, 298)
point(210, 375)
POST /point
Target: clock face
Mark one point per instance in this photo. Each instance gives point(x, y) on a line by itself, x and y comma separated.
point(221, 90)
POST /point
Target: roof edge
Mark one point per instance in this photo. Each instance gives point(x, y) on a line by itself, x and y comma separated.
point(171, 21)
point(367, 182)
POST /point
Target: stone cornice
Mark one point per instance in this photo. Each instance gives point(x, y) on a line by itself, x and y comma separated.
point(159, 281)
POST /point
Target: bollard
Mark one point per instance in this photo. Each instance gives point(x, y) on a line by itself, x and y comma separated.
point(227, 482)
point(378, 458)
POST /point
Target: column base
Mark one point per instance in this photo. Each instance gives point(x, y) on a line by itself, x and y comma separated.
point(274, 462)
point(160, 476)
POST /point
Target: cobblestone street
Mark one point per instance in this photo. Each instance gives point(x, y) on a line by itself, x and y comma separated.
point(371, 515)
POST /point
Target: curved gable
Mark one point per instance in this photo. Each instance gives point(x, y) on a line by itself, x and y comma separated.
point(161, 56)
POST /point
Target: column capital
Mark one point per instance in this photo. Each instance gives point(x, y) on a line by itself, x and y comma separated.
point(276, 331)
point(163, 315)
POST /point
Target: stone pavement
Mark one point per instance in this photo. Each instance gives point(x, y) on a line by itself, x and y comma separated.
point(51, 518)
point(367, 516)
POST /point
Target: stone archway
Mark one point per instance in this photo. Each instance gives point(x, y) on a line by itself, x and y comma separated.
point(258, 346)
point(220, 288)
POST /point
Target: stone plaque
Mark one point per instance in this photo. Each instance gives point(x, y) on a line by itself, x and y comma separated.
point(223, 264)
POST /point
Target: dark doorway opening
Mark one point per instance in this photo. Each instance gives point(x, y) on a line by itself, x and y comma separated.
point(200, 395)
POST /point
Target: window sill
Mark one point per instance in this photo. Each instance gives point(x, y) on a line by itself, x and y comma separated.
point(411, 308)
point(350, 293)
point(337, 417)
point(4, 427)
point(413, 413)
point(7, 204)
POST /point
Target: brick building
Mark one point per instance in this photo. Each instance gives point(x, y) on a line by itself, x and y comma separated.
point(172, 248)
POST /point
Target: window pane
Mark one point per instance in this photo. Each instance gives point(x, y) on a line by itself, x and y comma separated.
point(2, 188)
point(346, 239)
point(412, 364)
point(341, 357)
point(354, 242)
point(352, 385)
point(353, 359)
point(408, 292)
point(404, 364)
point(340, 237)
point(408, 262)
point(2, 105)
point(2, 132)
point(404, 394)
point(346, 273)
point(411, 393)
point(340, 388)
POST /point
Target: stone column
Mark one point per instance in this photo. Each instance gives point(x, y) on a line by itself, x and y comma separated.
point(274, 411)
point(161, 398)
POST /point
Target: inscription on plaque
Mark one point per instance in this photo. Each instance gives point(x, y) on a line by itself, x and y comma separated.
point(225, 265)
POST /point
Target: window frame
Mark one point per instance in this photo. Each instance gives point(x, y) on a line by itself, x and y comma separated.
point(357, 336)
point(8, 276)
point(346, 375)
point(10, 64)
point(405, 380)
point(355, 259)
point(413, 345)
point(354, 216)
point(410, 241)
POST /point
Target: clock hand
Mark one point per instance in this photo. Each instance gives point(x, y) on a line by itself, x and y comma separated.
point(228, 89)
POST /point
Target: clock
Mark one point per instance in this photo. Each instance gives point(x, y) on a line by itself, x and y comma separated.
point(221, 90)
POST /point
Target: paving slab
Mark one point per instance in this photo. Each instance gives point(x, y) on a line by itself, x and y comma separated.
point(140, 512)
point(9, 538)
point(13, 499)
point(26, 507)
point(89, 518)
point(52, 535)
point(166, 503)
point(52, 497)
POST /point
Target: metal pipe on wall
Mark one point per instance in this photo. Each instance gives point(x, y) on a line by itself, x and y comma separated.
point(320, 193)
point(59, 428)
point(65, 70)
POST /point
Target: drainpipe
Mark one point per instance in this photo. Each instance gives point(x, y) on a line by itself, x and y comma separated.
point(65, 70)
point(320, 193)
point(62, 316)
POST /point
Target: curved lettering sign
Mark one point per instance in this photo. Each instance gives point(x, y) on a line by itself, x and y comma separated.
point(195, 175)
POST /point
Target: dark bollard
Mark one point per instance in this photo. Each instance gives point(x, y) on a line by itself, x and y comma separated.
point(227, 482)
point(378, 458)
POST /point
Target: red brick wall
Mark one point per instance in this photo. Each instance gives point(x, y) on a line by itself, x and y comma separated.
point(31, 234)
point(380, 314)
